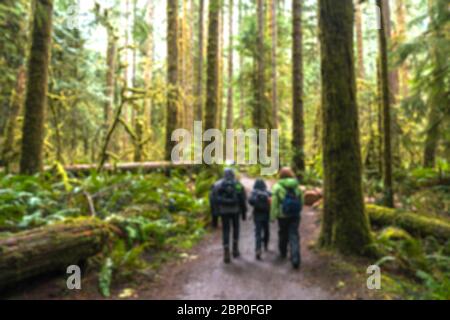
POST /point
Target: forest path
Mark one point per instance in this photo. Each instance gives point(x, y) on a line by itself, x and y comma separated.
point(204, 275)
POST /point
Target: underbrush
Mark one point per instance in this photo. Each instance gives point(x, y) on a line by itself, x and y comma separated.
point(150, 212)
point(416, 268)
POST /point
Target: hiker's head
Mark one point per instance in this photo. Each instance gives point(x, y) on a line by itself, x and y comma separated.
point(228, 174)
point(286, 173)
point(260, 185)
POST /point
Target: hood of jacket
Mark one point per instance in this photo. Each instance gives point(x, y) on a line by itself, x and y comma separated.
point(260, 185)
point(290, 183)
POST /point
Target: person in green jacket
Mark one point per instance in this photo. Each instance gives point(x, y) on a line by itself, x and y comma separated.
point(287, 203)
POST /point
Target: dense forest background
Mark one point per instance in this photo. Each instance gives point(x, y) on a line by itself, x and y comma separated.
point(358, 90)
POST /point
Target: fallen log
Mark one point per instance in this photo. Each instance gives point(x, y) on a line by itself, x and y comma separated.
point(144, 167)
point(51, 248)
point(415, 224)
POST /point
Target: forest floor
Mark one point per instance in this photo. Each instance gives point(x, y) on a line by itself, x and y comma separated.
point(201, 273)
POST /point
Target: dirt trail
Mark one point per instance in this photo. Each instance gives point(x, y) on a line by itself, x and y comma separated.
point(205, 276)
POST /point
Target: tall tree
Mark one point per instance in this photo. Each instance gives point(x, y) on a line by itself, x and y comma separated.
point(212, 82)
point(261, 116)
point(230, 115)
point(172, 75)
point(36, 98)
point(359, 39)
point(198, 116)
point(298, 122)
point(438, 97)
point(274, 23)
point(345, 225)
point(148, 69)
point(386, 103)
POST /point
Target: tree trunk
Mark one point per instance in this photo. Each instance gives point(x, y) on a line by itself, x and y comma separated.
point(16, 105)
point(274, 9)
point(261, 119)
point(241, 67)
point(36, 99)
point(111, 56)
point(172, 72)
point(230, 115)
point(298, 122)
point(148, 71)
point(345, 225)
point(212, 66)
point(438, 98)
point(359, 40)
point(386, 102)
point(200, 59)
point(51, 248)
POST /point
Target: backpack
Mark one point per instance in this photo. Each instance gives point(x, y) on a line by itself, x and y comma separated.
point(227, 198)
point(262, 203)
point(291, 206)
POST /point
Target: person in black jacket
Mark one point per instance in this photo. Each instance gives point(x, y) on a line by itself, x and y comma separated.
point(260, 201)
point(228, 201)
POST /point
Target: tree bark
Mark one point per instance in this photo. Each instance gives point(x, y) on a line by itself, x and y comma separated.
point(200, 62)
point(16, 105)
point(359, 40)
point(344, 225)
point(386, 102)
point(298, 122)
point(274, 9)
point(230, 115)
point(212, 65)
point(172, 72)
point(31, 253)
point(33, 128)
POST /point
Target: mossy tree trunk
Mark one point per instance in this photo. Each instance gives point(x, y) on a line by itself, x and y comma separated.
point(230, 114)
point(37, 86)
point(51, 248)
point(198, 115)
point(438, 98)
point(172, 75)
point(345, 225)
point(212, 82)
point(261, 113)
point(8, 153)
point(274, 22)
point(298, 122)
point(386, 103)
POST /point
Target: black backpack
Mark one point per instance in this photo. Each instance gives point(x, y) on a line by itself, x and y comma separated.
point(262, 203)
point(227, 198)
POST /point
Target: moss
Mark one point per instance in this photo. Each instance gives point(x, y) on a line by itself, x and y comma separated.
point(416, 224)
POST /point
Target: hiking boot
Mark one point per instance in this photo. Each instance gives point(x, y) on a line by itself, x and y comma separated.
point(226, 255)
point(236, 253)
point(258, 255)
point(296, 265)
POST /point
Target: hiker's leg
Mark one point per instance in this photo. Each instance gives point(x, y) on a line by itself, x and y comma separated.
point(294, 241)
point(236, 230)
point(282, 236)
point(258, 231)
point(215, 221)
point(226, 238)
point(226, 231)
point(266, 229)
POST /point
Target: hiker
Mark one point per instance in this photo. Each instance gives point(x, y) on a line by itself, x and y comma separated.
point(287, 203)
point(260, 201)
point(229, 202)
